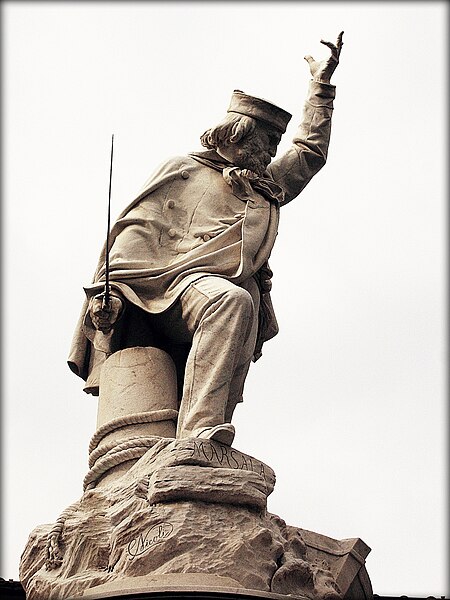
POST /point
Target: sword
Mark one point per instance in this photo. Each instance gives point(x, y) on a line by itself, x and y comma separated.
point(106, 294)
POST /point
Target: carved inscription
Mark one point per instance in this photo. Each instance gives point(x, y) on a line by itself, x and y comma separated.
point(226, 457)
point(148, 539)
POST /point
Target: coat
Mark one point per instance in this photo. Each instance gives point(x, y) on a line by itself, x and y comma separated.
point(190, 220)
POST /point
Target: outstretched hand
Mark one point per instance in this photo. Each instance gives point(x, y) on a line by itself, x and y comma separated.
point(323, 70)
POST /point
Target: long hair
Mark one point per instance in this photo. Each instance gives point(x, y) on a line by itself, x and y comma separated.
point(233, 128)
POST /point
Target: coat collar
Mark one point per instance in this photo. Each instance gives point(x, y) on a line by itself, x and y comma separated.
point(239, 182)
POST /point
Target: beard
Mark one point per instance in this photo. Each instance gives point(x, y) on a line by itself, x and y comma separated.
point(252, 156)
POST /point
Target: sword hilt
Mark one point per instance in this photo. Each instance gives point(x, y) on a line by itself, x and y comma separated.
point(106, 300)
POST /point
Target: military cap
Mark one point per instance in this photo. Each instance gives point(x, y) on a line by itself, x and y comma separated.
point(251, 106)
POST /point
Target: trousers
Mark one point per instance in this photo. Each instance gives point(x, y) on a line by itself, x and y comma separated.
point(223, 320)
point(219, 322)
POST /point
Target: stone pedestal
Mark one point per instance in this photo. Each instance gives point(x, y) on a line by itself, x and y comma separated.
point(137, 407)
point(189, 513)
point(185, 517)
point(138, 380)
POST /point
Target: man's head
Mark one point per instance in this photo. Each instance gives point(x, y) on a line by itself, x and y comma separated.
point(250, 133)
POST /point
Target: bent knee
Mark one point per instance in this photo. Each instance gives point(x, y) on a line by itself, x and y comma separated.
point(240, 299)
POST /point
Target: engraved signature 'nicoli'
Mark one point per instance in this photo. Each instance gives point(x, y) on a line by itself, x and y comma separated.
point(144, 541)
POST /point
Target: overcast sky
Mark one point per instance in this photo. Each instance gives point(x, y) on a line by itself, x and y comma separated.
point(348, 402)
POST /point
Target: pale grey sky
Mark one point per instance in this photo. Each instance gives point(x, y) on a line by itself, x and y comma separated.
point(348, 402)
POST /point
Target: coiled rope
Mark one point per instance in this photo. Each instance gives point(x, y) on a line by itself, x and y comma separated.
point(53, 549)
point(166, 414)
point(128, 450)
point(101, 459)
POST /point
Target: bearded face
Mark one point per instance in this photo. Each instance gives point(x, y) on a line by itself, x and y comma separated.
point(255, 150)
point(252, 154)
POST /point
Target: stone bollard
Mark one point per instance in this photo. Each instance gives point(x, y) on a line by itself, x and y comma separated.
point(137, 407)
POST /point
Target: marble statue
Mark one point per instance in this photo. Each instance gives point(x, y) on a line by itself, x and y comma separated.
point(188, 257)
point(168, 503)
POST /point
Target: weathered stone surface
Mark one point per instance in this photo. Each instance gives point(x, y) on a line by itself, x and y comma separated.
point(201, 453)
point(172, 582)
point(137, 406)
point(210, 454)
point(136, 380)
point(137, 531)
point(208, 485)
point(345, 558)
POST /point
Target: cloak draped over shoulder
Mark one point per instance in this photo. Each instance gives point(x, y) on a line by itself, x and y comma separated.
point(196, 217)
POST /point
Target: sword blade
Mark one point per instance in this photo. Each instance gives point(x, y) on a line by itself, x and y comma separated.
point(106, 295)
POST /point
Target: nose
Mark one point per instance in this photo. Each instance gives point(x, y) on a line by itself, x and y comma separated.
point(272, 151)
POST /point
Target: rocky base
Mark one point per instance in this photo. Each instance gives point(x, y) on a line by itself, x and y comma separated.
point(189, 513)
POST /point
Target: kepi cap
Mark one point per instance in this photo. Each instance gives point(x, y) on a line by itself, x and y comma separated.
point(258, 108)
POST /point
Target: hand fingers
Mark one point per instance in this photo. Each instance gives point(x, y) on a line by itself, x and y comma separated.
point(101, 313)
point(329, 44)
point(335, 49)
point(99, 323)
point(339, 42)
point(99, 309)
point(309, 59)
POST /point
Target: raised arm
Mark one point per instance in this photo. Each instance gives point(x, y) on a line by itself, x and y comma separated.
point(308, 152)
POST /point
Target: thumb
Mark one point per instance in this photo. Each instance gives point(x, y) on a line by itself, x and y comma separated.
point(309, 59)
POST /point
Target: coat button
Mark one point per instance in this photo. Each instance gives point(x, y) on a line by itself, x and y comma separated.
point(206, 237)
point(184, 174)
point(171, 233)
point(170, 203)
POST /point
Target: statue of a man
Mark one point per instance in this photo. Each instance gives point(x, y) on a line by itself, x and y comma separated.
point(188, 257)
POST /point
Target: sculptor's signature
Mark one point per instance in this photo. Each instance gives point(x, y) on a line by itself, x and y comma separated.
point(149, 538)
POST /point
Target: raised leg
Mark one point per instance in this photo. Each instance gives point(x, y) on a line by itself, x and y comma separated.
point(223, 320)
